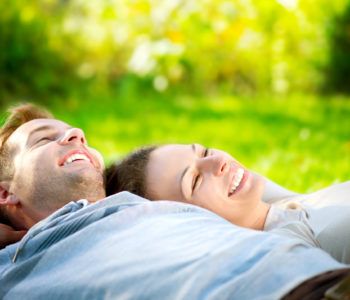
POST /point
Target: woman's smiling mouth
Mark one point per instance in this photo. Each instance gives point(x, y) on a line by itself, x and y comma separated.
point(236, 181)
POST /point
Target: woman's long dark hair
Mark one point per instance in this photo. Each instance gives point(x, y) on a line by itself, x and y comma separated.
point(130, 173)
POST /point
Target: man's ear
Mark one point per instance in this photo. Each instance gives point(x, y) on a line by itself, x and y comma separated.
point(7, 198)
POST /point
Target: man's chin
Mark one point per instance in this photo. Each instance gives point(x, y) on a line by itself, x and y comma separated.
point(84, 173)
point(92, 190)
point(85, 181)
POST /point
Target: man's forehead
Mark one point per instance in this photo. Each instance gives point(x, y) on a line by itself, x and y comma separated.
point(35, 125)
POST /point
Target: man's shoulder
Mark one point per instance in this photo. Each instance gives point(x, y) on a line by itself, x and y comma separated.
point(122, 198)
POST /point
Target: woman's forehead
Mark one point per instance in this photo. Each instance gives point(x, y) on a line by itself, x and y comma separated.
point(167, 161)
point(165, 168)
point(171, 153)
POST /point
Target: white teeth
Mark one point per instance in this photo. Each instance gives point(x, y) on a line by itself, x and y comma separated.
point(76, 157)
point(237, 181)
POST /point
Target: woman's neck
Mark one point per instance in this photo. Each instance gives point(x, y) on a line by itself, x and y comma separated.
point(260, 216)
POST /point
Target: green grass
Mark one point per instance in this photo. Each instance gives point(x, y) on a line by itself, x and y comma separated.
point(301, 142)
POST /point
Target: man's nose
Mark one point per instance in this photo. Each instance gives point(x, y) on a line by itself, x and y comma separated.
point(73, 135)
point(215, 164)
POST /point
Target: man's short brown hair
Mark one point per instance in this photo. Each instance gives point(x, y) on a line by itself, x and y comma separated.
point(18, 115)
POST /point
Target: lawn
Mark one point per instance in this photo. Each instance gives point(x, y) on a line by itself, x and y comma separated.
point(301, 141)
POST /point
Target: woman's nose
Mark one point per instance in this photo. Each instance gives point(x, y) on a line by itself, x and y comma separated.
point(214, 164)
point(74, 135)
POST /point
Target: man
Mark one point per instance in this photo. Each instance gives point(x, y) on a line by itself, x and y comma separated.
point(44, 164)
point(124, 246)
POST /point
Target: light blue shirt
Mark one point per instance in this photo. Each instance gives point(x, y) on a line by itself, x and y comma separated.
point(126, 247)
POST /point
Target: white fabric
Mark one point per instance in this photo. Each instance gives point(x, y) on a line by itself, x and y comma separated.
point(323, 221)
point(273, 191)
point(291, 223)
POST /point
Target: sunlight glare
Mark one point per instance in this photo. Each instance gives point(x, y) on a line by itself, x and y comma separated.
point(289, 4)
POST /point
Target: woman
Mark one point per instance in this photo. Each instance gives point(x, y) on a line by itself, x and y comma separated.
point(214, 180)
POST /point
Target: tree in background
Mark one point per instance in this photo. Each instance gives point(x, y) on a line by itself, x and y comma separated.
point(338, 68)
point(29, 66)
point(50, 47)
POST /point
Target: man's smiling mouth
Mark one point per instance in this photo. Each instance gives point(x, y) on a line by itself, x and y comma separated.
point(75, 155)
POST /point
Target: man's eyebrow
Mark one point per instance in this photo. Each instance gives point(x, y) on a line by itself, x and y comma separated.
point(42, 128)
point(193, 146)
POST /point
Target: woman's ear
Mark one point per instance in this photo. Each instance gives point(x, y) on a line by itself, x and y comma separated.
point(7, 198)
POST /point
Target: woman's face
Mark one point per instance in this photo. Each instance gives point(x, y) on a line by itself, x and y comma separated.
point(208, 178)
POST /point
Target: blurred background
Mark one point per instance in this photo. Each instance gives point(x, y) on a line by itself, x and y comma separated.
point(266, 81)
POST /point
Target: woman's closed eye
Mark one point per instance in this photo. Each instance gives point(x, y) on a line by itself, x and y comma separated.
point(195, 181)
point(197, 176)
point(206, 152)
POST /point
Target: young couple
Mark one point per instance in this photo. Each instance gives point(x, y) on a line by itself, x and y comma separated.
point(81, 245)
point(214, 180)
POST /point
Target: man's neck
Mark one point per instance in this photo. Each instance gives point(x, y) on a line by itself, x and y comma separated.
point(3, 216)
point(18, 219)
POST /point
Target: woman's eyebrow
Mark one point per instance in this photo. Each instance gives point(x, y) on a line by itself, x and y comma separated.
point(193, 147)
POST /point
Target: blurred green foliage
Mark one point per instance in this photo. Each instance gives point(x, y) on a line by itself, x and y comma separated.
point(338, 68)
point(266, 81)
point(244, 47)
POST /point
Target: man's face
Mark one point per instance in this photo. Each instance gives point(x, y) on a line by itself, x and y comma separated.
point(52, 166)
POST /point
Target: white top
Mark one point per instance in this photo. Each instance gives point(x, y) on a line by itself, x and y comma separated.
point(293, 223)
point(321, 219)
